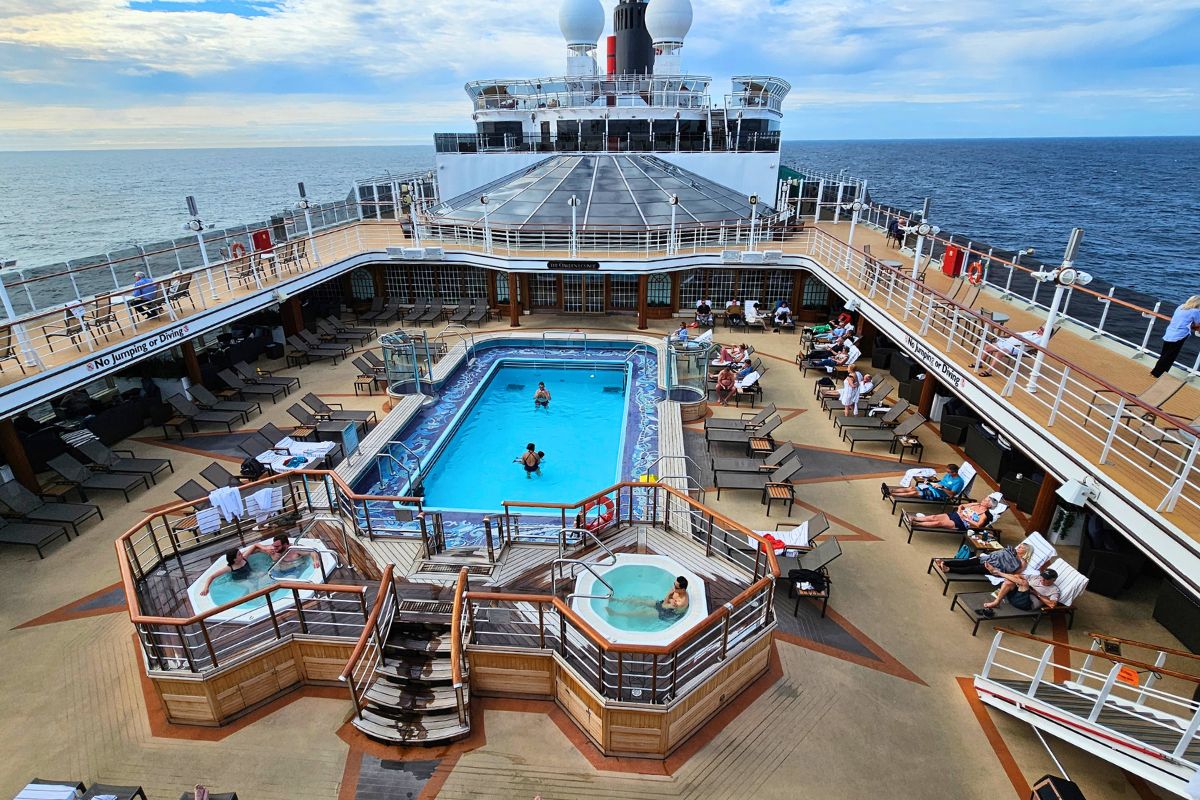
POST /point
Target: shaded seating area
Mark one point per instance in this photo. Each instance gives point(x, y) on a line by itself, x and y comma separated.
point(21, 503)
point(30, 534)
point(85, 480)
point(194, 415)
point(123, 460)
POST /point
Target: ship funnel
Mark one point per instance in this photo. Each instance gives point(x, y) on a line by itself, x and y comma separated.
point(635, 51)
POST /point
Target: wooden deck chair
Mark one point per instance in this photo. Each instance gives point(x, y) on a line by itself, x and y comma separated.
point(1155, 395)
point(772, 460)
point(1070, 582)
point(8, 348)
point(885, 420)
point(888, 436)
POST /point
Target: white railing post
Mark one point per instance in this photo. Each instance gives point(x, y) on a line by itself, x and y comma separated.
point(1168, 502)
point(1102, 698)
point(1112, 432)
point(1041, 670)
point(991, 656)
point(1058, 397)
point(1143, 349)
point(1011, 383)
point(1185, 741)
point(1107, 302)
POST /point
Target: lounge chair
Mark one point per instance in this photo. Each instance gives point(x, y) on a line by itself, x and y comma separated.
point(31, 508)
point(420, 306)
point(390, 312)
point(831, 402)
point(815, 560)
point(304, 353)
point(750, 388)
point(272, 390)
point(744, 422)
point(432, 314)
point(316, 344)
point(210, 402)
point(274, 434)
point(219, 477)
point(310, 420)
point(758, 480)
point(1169, 437)
point(796, 536)
point(256, 444)
point(326, 332)
point(462, 311)
point(374, 360)
point(86, 481)
point(1042, 554)
point(336, 413)
point(192, 492)
point(886, 435)
point(773, 460)
point(8, 348)
point(479, 313)
point(1070, 582)
point(913, 524)
point(884, 420)
point(372, 312)
point(337, 325)
point(763, 431)
point(189, 411)
point(178, 291)
point(123, 460)
point(1155, 395)
point(262, 377)
point(31, 534)
point(966, 472)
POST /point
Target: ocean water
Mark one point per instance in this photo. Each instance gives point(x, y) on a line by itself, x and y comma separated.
point(1137, 198)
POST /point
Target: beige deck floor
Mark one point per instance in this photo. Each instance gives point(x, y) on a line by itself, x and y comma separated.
point(72, 706)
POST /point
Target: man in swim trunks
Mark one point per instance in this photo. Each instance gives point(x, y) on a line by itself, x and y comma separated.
point(285, 560)
point(541, 398)
point(236, 566)
point(531, 460)
point(676, 602)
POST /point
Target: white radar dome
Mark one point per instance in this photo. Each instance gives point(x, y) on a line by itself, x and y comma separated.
point(581, 22)
point(668, 20)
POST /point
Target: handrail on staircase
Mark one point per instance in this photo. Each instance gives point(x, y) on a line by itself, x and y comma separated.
point(1100, 654)
point(1104, 637)
point(608, 562)
point(456, 676)
point(369, 636)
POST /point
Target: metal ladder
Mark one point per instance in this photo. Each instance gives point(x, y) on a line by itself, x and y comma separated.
point(555, 565)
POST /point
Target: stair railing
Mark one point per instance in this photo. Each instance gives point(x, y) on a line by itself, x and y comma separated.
point(557, 564)
point(457, 651)
point(360, 674)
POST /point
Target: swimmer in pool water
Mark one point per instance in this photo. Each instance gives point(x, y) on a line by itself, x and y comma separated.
point(541, 398)
point(286, 561)
point(676, 601)
point(236, 566)
point(531, 460)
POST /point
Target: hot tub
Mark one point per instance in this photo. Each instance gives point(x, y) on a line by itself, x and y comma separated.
point(630, 616)
point(225, 589)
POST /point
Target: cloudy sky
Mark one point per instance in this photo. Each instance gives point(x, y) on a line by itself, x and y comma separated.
point(177, 73)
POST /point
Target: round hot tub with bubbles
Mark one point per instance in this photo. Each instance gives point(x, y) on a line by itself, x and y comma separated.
point(263, 573)
point(631, 614)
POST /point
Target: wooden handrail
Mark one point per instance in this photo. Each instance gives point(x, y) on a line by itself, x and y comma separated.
point(1075, 369)
point(456, 628)
point(1145, 645)
point(1101, 654)
point(304, 585)
point(612, 647)
point(386, 586)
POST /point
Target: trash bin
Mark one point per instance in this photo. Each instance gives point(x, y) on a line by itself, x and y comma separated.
point(273, 350)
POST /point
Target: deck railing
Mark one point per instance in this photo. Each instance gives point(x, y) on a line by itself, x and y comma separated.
point(155, 558)
point(636, 673)
point(1132, 435)
point(359, 674)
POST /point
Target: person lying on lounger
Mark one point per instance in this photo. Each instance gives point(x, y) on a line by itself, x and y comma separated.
point(968, 516)
point(1008, 347)
point(947, 487)
point(1005, 561)
point(1027, 594)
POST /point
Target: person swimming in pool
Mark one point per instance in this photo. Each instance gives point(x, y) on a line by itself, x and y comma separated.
point(236, 566)
point(541, 398)
point(531, 460)
point(286, 560)
point(676, 602)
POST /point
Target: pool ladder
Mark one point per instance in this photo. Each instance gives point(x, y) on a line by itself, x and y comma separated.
point(609, 560)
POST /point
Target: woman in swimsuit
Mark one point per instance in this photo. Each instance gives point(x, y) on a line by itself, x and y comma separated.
point(531, 460)
point(541, 398)
point(236, 566)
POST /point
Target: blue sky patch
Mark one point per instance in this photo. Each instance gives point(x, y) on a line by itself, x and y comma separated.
point(241, 8)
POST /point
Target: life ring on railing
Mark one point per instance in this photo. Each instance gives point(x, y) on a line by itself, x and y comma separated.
point(237, 250)
point(975, 273)
point(603, 519)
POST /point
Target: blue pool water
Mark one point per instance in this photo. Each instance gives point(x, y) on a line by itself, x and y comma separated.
point(225, 589)
point(580, 432)
point(636, 587)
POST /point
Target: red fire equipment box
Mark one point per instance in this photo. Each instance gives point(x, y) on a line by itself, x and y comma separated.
point(262, 239)
point(952, 261)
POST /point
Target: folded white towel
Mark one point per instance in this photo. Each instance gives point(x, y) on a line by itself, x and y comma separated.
point(208, 520)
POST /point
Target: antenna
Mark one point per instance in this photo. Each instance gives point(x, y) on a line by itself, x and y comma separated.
point(191, 204)
point(300, 186)
point(1073, 246)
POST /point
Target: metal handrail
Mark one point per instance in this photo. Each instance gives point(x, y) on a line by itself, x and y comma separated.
point(568, 335)
point(692, 484)
point(400, 464)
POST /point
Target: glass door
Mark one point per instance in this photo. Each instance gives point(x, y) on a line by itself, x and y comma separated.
point(573, 294)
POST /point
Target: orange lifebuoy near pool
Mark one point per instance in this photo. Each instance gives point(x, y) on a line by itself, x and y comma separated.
point(604, 518)
point(237, 250)
point(975, 273)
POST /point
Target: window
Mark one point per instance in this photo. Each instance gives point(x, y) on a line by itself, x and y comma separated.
point(658, 291)
point(691, 288)
point(622, 292)
point(362, 285)
point(474, 283)
point(779, 285)
point(816, 294)
point(544, 289)
point(397, 285)
point(501, 287)
point(450, 284)
point(593, 294)
point(720, 286)
point(423, 286)
point(750, 286)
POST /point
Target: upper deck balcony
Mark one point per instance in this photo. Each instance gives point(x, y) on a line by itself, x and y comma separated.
point(590, 91)
point(730, 141)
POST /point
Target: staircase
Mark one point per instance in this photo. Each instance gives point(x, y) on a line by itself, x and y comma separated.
point(406, 692)
point(718, 133)
point(1111, 705)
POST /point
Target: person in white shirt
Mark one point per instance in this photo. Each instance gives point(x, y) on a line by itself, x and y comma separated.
point(1009, 347)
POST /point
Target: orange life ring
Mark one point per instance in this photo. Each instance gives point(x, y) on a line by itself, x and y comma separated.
point(975, 273)
point(603, 519)
point(237, 250)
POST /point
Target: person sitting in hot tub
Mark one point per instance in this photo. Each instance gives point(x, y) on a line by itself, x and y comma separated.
point(541, 398)
point(236, 566)
point(286, 560)
point(676, 602)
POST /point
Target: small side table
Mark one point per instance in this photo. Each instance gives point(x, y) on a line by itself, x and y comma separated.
point(760, 446)
point(779, 491)
point(303, 434)
point(909, 443)
point(58, 491)
point(174, 422)
point(364, 382)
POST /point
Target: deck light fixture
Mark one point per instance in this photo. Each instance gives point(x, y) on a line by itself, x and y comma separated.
point(573, 202)
point(487, 228)
point(196, 226)
point(672, 247)
point(753, 220)
point(1064, 277)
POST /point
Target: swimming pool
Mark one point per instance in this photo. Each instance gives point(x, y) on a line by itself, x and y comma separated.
point(581, 431)
point(638, 581)
point(225, 589)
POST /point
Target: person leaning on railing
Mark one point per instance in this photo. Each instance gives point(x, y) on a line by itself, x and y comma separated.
point(1184, 322)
